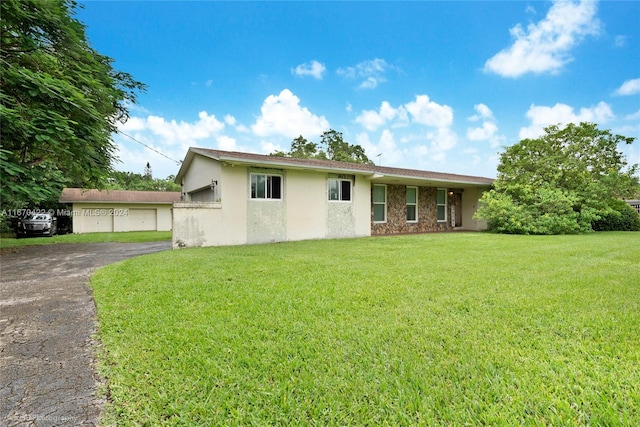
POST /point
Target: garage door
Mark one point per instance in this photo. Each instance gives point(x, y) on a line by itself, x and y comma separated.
point(96, 220)
point(142, 220)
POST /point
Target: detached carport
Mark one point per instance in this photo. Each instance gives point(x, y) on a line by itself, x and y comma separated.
point(119, 210)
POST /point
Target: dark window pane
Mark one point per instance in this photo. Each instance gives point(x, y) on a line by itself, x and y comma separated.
point(411, 195)
point(346, 190)
point(260, 186)
point(378, 213)
point(411, 213)
point(254, 190)
point(378, 194)
point(276, 187)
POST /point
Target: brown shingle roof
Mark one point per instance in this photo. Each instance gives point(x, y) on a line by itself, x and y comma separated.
point(72, 195)
point(234, 156)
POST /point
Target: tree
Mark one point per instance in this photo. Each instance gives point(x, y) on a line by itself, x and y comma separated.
point(147, 172)
point(60, 101)
point(332, 147)
point(340, 150)
point(559, 183)
point(134, 181)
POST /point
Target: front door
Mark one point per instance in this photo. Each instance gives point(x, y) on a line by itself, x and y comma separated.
point(457, 201)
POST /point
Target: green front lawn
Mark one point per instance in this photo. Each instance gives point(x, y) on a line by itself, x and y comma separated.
point(436, 329)
point(123, 237)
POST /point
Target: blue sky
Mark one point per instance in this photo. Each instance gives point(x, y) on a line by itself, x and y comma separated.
point(439, 86)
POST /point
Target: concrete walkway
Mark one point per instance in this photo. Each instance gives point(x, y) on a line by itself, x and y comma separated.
point(47, 320)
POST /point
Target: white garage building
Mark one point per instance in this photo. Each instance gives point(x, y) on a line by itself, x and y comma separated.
point(120, 210)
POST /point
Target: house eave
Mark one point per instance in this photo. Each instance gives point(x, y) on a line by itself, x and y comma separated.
point(376, 174)
point(289, 166)
point(419, 181)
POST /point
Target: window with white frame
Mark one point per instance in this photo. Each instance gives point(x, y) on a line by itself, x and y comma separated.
point(264, 186)
point(441, 202)
point(379, 203)
point(412, 204)
point(339, 189)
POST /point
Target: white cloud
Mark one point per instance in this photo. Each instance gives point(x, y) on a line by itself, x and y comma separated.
point(542, 116)
point(421, 111)
point(267, 147)
point(226, 143)
point(371, 82)
point(313, 68)
point(429, 113)
point(141, 139)
point(173, 132)
point(484, 133)
point(384, 152)
point(371, 72)
point(483, 111)
point(545, 46)
point(282, 115)
point(430, 146)
point(230, 120)
point(620, 41)
point(629, 87)
point(372, 120)
point(133, 124)
point(488, 131)
point(442, 140)
point(633, 116)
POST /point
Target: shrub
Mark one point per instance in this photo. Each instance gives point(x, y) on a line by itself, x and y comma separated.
point(560, 183)
point(620, 217)
point(6, 224)
point(540, 211)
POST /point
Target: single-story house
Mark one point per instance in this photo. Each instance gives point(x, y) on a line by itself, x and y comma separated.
point(233, 198)
point(634, 204)
point(119, 210)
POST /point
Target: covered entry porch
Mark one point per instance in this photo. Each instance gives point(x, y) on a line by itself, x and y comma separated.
point(413, 206)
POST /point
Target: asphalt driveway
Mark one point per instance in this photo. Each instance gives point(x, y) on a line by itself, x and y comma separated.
point(47, 319)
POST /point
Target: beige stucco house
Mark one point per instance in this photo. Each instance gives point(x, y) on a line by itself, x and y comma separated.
point(233, 198)
point(119, 210)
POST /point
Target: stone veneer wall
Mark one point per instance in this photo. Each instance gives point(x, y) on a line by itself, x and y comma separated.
point(397, 212)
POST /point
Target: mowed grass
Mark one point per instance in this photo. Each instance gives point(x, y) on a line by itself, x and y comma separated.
point(121, 237)
point(436, 329)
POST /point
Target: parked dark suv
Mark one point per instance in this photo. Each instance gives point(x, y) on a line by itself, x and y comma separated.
point(41, 224)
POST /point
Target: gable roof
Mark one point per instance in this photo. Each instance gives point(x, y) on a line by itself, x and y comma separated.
point(375, 173)
point(74, 195)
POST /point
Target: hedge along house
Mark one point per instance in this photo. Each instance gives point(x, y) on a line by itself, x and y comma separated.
point(232, 198)
point(120, 210)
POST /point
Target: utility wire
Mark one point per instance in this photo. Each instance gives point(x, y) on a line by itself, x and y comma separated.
point(178, 162)
point(60, 96)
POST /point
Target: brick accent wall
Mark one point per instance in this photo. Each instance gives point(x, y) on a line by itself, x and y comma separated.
point(397, 212)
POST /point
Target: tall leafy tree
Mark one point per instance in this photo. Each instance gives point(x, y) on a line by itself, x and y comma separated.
point(338, 149)
point(332, 146)
point(559, 183)
point(60, 101)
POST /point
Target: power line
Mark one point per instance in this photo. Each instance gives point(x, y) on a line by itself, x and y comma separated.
point(150, 148)
point(61, 97)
